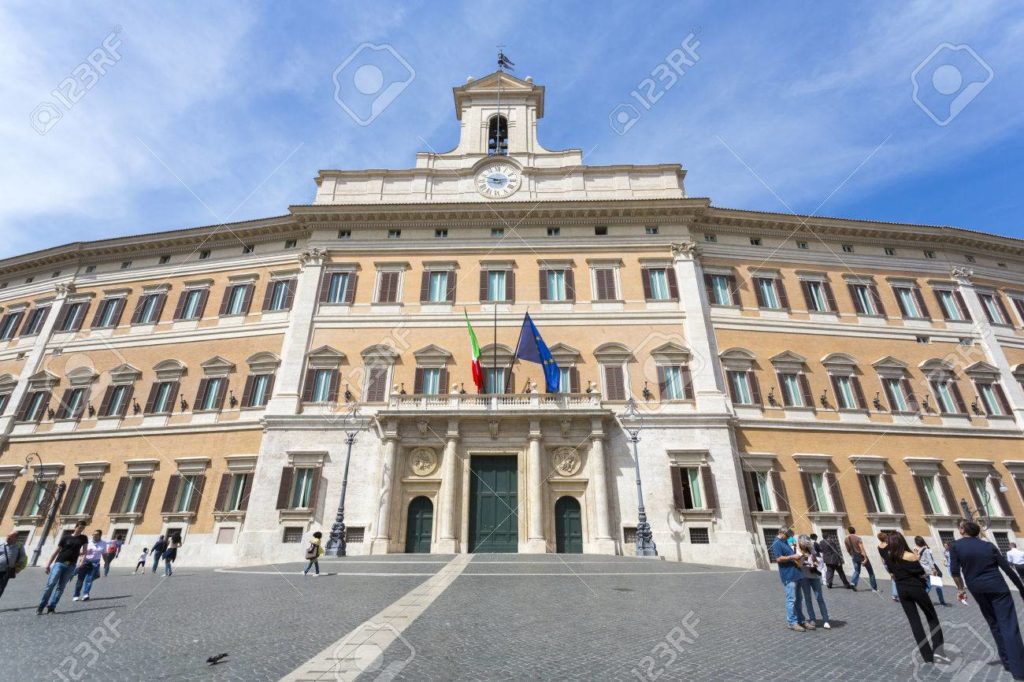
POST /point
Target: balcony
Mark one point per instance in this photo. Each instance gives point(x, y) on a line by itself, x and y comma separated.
point(504, 402)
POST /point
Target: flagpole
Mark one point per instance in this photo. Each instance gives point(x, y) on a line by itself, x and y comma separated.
point(515, 352)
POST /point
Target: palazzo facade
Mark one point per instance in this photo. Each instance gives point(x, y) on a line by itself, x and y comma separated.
point(790, 370)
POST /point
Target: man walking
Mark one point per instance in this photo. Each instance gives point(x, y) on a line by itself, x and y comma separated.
point(832, 555)
point(790, 574)
point(855, 546)
point(1016, 558)
point(89, 569)
point(112, 552)
point(61, 567)
point(977, 563)
point(12, 560)
point(159, 547)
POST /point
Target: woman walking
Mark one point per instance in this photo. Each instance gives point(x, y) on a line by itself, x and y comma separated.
point(910, 578)
point(811, 566)
point(931, 568)
point(313, 554)
point(171, 553)
point(883, 551)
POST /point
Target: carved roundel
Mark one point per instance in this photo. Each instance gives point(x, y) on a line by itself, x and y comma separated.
point(423, 461)
point(567, 461)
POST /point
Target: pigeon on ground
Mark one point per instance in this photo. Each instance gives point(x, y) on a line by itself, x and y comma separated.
point(214, 660)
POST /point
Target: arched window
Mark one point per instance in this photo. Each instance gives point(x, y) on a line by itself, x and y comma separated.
point(497, 136)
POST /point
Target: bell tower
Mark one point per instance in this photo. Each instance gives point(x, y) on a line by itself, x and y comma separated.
point(499, 115)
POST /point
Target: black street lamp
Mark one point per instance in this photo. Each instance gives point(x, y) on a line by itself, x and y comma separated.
point(982, 514)
point(631, 421)
point(352, 425)
point(53, 501)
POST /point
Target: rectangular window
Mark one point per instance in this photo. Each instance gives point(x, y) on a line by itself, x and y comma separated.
point(761, 490)
point(192, 304)
point(864, 299)
point(993, 308)
point(554, 231)
point(322, 379)
point(497, 232)
point(72, 404)
point(39, 495)
point(259, 390)
point(494, 380)
point(846, 394)
point(441, 234)
point(720, 289)
point(672, 383)
point(109, 313)
point(651, 229)
point(555, 289)
point(614, 382)
point(948, 397)
point(982, 497)
point(437, 286)
point(337, 287)
point(186, 491)
point(739, 383)
point(931, 492)
point(950, 305)
point(495, 289)
point(660, 284)
point(164, 260)
point(344, 234)
point(279, 295)
point(148, 310)
point(81, 502)
point(302, 488)
point(376, 384)
point(909, 301)
point(431, 378)
point(394, 234)
point(387, 286)
point(564, 380)
point(767, 291)
point(236, 300)
point(819, 491)
point(210, 399)
point(37, 316)
point(134, 493)
point(689, 478)
point(873, 485)
point(293, 534)
point(9, 325)
point(994, 398)
point(163, 397)
point(791, 390)
point(817, 301)
point(898, 398)
point(236, 493)
point(604, 285)
point(35, 405)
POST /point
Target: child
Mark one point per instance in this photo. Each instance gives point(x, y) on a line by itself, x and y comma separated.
point(142, 561)
point(313, 553)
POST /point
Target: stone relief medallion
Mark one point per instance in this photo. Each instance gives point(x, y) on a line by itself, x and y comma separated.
point(423, 461)
point(567, 461)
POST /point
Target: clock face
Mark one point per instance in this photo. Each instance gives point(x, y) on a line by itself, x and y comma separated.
point(498, 181)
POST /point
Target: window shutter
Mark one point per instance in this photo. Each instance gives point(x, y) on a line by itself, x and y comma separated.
point(376, 384)
point(894, 494)
point(62, 408)
point(805, 389)
point(687, 382)
point(80, 410)
point(350, 291)
point(926, 504)
point(94, 497)
point(869, 501)
point(314, 488)
point(707, 478)
point(418, 381)
point(911, 398)
point(677, 488)
point(119, 493)
point(222, 392)
point(757, 292)
point(268, 295)
point(782, 389)
point(483, 286)
point(99, 313)
point(443, 381)
point(858, 391)
point(5, 498)
point(201, 394)
point(325, 286)
point(510, 385)
point(942, 309)
point(333, 390)
point(449, 295)
point(709, 288)
point(197, 493)
point(289, 293)
point(574, 380)
point(748, 484)
point(661, 382)
point(203, 298)
point(734, 290)
point(308, 385)
point(26, 496)
point(62, 317)
point(158, 307)
point(781, 498)
point(614, 383)
point(147, 488)
point(69, 497)
point(172, 494)
point(808, 300)
point(836, 491)
point(270, 386)
point(920, 304)
point(151, 400)
point(222, 492)
point(755, 388)
point(129, 393)
point(899, 301)
point(958, 398)
point(543, 285)
point(1001, 397)
point(570, 284)
point(1002, 308)
point(873, 290)
point(812, 503)
point(780, 289)
point(285, 489)
point(673, 283)
point(225, 300)
point(510, 286)
point(247, 391)
point(835, 389)
point(830, 297)
point(425, 286)
point(728, 386)
point(179, 309)
point(856, 301)
point(243, 504)
point(645, 277)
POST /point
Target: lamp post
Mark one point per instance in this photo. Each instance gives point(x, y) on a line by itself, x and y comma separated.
point(336, 544)
point(53, 503)
point(632, 422)
point(982, 512)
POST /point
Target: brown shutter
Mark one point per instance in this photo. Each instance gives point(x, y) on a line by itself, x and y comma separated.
point(99, 313)
point(285, 489)
point(808, 299)
point(307, 386)
point(510, 385)
point(757, 292)
point(877, 299)
point(80, 410)
point(856, 301)
point(105, 402)
point(755, 388)
point(172, 494)
point(172, 395)
point(443, 381)
point(314, 488)
point(780, 289)
point(710, 492)
point(222, 392)
point(858, 391)
point(830, 297)
point(837, 492)
point(661, 382)
point(243, 504)
point(835, 389)
point(748, 484)
point(158, 308)
point(869, 501)
point(922, 493)
point(268, 295)
point(119, 493)
point(62, 316)
point(289, 293)
point(62, 407)
point(450, 289)
point(197, 493)
point(418, 381)
point(147, 488)
point(69, 497)
point(425, 286)
point(728, 386)
point(179, 309)
point(645, 278)
point(201, 394)
point(247, 391)
point(911, 398)
point(677, 488)
point(1002, 308)
point(5, 498)
point(270, 387)
point(543, 285)
point(673, 283)
point(947, 492)
point(920, 304)
point(734, 290)
point(151, 400)
point(203, 297)
point(225, 300)
point(781, 498)
point(570, 284)
point(333, 390)
point(483, 286)
point(574, 380)
point(962, 304)
point(1001, 397)
point(510, 286)
point(222, 492)
point(812, 504)
point(687, 382)
point(614, 382)
point(325, 286)
point(376, 384)
point(26, 497)
point(805, 389)
point(709, 288)
point(894, 494)
point(94, 497)
point(958, 398)
point(350, 289)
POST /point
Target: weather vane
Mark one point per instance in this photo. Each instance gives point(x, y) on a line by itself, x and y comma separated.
point(503, 61)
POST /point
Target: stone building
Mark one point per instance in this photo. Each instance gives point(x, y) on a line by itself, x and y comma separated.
point(790, 370)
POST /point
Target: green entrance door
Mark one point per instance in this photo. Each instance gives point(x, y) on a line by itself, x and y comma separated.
point(568, 526)
point(420, 526)
point(493, 504)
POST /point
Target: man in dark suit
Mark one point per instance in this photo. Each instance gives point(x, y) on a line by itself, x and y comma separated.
point(979, 563)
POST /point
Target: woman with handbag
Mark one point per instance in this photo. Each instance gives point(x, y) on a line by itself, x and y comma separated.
point(313, 553)
point(931, 568)
point(811, 568)
point(910, 579)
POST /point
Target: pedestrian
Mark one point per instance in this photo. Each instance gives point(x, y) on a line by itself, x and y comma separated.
point(855, 546)
point(61, 567)
point(171, 553)
point(832, 555)
point(910, 578)
point(12, 560)
point(159, 547)
point(883, 552)
point(789, 574)
point(89, 566)
point(931, 568)
point(313, 553)
point(975, 564)
point(811, 566)
point(111, 553)
point(1016, 558)
point(142, 561)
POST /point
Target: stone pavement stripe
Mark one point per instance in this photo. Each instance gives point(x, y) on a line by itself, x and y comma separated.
point(346, 573)
point(579, 573)
point(357, 651)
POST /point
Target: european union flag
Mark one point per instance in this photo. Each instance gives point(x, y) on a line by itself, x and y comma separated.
point(533, 349)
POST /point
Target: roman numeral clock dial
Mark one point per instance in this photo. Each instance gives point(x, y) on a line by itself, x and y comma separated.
point(498, 181)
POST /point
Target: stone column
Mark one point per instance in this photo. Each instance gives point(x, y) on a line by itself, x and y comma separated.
point(448, 507)
point(380, 542)
point(989, 346)
point(288, 384)
point(535, 493)
point(708, 381)
point(603, 540)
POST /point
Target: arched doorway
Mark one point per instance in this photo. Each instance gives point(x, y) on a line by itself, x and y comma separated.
point(568, 526)
point(419, 526)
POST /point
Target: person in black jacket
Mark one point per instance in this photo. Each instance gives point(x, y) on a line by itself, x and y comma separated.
point(159, 547)
point(977, 563)
point(910, 579)
point(832, 555)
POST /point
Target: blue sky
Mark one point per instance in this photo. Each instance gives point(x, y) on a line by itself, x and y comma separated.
point(217, 112)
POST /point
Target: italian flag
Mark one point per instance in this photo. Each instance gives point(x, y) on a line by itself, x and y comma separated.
point(478, 376)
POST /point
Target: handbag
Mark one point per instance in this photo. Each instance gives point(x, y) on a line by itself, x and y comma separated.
point(12, 571)
point(312, 552)
point(936, 581)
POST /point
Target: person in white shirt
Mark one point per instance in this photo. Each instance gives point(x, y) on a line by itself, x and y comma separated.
point(1016, 559)
point(89, 566)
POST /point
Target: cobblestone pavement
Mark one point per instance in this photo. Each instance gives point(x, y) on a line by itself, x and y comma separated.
point(504, 617)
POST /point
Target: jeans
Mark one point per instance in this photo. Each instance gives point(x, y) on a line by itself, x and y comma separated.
point(60, 574)
point(167, 566)
point(87, 572)
point(156, 559)
point(107, 558)
point(811, 586)
point(794, 603)
point(312, 563)
point(938, 591)
point(855, 578)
